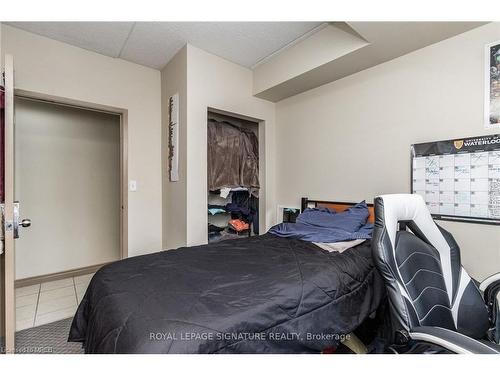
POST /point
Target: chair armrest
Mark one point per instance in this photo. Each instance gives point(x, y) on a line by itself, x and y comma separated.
point(495, 278)
point(451, 340)
point(490, 289)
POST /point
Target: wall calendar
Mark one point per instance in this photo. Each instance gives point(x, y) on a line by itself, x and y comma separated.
point(459, 179)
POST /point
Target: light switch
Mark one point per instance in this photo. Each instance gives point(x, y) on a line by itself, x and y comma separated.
point(132, 185)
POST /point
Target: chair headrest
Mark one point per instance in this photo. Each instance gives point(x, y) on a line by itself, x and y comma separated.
point(393, 208)
point(402, 207)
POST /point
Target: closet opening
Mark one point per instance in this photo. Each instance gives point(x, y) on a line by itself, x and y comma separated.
point(233, 176)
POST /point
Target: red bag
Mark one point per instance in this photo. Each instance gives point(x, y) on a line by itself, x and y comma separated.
point(239, 225)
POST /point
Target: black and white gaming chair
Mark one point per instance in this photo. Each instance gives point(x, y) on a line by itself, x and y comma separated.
point(432, 299)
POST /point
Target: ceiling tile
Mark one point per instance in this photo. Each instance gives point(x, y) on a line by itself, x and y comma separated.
point(106, 38)
point(155, 43)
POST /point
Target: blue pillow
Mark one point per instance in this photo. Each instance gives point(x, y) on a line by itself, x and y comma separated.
point(316, 216)
point(350, 220)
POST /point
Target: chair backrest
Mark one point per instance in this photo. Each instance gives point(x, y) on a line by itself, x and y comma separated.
point(426, 283)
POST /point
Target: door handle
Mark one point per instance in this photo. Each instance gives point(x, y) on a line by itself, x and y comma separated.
point(25, 223)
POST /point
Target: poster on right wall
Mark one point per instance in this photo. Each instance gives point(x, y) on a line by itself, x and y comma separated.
point(492, 86)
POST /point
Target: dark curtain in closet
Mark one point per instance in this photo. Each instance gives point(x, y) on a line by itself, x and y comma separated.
point(233, 157)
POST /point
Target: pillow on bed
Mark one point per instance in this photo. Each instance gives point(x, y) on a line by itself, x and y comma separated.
point(316, 216)
point(350, 220)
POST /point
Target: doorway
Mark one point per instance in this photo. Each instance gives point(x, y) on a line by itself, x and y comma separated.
point(68, 179)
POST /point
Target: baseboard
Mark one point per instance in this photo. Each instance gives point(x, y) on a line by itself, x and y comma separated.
point(57, 275)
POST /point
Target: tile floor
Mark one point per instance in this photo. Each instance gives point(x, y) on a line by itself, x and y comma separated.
point(48, 302)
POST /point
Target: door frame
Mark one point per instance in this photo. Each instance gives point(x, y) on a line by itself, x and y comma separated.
point(123, 113)
point(9, 241)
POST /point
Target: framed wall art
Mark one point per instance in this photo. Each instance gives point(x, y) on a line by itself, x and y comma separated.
point(492, 86)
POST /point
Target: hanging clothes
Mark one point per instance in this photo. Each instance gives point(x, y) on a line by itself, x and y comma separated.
point(233, 157)
point(245, 206)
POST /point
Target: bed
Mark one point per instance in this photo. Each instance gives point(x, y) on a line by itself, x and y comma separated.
point(263, 294)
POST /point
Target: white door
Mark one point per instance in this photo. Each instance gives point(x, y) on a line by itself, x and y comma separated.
point(10, 211)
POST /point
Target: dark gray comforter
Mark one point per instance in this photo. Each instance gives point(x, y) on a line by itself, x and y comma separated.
point(263, 294)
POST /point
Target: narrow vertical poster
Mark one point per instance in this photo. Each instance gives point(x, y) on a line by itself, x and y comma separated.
point(173, 137)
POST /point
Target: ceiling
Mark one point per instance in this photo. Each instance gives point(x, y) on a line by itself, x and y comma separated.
point(153, 44)
point(384, 41)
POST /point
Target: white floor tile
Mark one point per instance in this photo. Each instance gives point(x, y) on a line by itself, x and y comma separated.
point(25, 312)
point(57, 284)
point(55, 316)
point(27, 290)
point(84, 279)
point(52, 294)
point(81, 288)
point(24, 324)
point(30, 299)
point(51, 301)
point(80, 291)
point(56, 304)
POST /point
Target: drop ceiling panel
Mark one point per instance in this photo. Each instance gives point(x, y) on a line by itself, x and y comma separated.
point(106, 38)
point(245, 43)
point(154, 43)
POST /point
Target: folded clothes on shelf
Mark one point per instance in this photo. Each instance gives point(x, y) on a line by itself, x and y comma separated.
point(214, 209)
point(226, 234)
point(214, 228)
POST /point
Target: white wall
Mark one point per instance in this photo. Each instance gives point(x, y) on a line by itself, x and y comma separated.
point(67, 179)
point(174, 80)
point(46, 66)
point(350, 140)
point(213, 82)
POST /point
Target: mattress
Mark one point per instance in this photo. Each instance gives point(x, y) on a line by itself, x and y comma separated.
point(262, 294)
